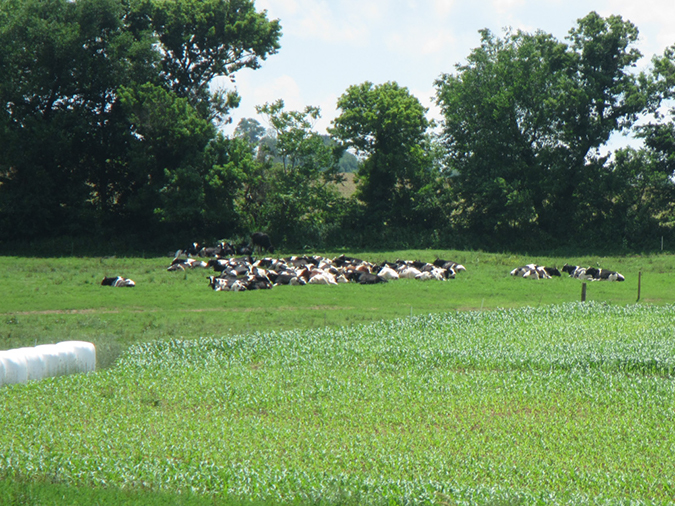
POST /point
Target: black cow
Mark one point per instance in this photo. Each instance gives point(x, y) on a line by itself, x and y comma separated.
point(343, 260)
point(190, 251)
point(552, 271)
point(262, 241)
point(223, 249)
point(366, 278)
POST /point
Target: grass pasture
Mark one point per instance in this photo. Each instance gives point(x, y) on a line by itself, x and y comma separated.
point(339, 395)
point(47, 300)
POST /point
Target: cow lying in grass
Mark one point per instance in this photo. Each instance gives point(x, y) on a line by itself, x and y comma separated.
point(597, 274)
point(448, 264)
point(181, 264)
point(117, 281)
point(592, 273)
point(235, 284)
point(534, 271)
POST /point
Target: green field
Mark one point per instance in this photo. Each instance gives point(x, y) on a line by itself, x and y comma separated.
point(484, 389)
point(46, 300)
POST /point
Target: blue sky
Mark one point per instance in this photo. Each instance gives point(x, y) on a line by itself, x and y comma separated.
point(329, 45)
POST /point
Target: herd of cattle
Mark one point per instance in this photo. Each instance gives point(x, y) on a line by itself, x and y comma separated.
point(534, 271)
point(241, 273)
point(246, 273)
point(235, 268)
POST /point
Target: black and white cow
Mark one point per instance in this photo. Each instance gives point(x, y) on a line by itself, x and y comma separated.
point(221, 250)
point(597, 274)
point(448, 264)
point(531, 271)
point(181, 264)
point(218, 264)
point(287, 278)
point(117, 281)
point(570, 269)
point(190, 251)
point(592, 273)
point(576, 271)
point(257, 282)
point(226, 283)
point(552, 271)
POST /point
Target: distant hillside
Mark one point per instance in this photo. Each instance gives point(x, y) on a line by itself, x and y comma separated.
point(348, 187)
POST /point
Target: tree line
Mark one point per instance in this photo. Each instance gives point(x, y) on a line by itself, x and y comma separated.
point(110, 126)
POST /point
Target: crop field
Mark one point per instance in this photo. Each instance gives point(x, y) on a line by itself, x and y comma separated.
point(484, 389)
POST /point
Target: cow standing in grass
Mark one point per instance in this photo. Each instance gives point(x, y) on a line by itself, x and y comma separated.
point(261, 241)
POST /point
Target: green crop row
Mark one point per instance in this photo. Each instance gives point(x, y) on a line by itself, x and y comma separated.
point(562, 404)
point(570, 336)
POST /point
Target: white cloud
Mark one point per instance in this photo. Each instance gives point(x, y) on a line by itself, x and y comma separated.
point(328, 112)
point(437, 43)
point(416, 41)
point(283, 86)
point(506, 6)
point(337, 21)
point(328, 45)
point(256, 92)
point(319, 22)
point(443, 8)
point(654, 20)
point(427, 98)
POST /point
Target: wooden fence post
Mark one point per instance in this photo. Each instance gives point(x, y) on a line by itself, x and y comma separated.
point(639, 285)
point(583, 292)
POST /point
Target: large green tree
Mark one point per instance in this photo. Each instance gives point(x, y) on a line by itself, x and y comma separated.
point(644, 196)
point(204, 39)
point(109, 107)
point(62, 63)
point(251, 130)
point(386, 126)
point(301, 198)
point(524, 119)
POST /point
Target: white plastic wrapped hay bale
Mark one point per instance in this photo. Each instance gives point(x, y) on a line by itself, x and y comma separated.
point(35, 365)
point(14, 364)
point(48, 360)
point(51, 355)
point(67, 359)
point(81, 356)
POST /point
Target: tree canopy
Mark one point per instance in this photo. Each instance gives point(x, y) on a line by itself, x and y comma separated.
point(385, 125)
point(111, 123)
point(109, 109)
point(524, 120)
